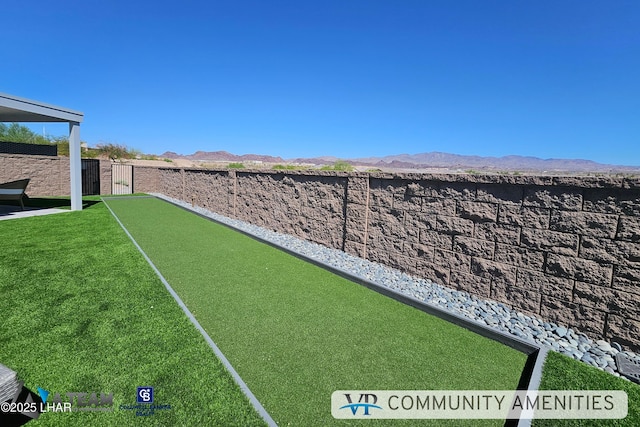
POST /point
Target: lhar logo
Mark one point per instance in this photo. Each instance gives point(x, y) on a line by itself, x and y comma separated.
point(366, 401)
point(145, 395)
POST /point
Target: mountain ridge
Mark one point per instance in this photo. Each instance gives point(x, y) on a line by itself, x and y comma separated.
point(427, 160)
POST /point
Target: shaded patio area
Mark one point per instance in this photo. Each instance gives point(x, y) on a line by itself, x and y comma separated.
point(21, 110)
point(35, 206)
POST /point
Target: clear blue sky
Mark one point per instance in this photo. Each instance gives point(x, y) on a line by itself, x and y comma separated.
point(347, 78)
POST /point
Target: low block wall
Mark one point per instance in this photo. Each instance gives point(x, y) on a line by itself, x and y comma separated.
point(564, 248)
point(49, 175)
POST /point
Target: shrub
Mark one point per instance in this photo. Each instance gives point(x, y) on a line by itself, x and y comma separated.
point(340, 165)
point(16, 132)
point(116, 151)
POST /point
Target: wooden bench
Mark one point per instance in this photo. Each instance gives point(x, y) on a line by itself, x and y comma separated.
point(14, 190)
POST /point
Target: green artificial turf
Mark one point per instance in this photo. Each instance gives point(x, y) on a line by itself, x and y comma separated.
point(82, 311)
point(563, 373)
point(295, 332)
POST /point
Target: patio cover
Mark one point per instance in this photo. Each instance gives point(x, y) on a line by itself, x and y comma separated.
point(14, 109)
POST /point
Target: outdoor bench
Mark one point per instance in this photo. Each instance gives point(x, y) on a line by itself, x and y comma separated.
point(14, 190)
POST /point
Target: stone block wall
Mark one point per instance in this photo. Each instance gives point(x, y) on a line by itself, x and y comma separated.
point(563, 248)
point(303, 205)
point(145, 179)
point(171, 182)
point(566, 249)
point(310, 206)
point(105, 176)
point(212, 190)
point(50, 176)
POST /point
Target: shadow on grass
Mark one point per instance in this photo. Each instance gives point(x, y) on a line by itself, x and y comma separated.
point(40, 206)
point(48, 202)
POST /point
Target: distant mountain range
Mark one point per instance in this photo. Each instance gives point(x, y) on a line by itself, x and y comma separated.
point(432, 160)
point(222, 156)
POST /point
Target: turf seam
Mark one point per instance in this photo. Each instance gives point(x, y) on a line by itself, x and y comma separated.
point(243, 386)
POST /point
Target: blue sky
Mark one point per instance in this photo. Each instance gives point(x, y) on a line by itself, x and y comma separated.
point(346, 78)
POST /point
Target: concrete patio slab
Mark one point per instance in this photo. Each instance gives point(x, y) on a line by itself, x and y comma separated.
point(14, 212)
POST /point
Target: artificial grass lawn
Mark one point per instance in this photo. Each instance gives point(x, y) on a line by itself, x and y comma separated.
point(563, 373)
point(82, 311)
point(296, 333)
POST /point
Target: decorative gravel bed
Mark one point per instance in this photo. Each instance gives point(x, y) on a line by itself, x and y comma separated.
point(499, 316)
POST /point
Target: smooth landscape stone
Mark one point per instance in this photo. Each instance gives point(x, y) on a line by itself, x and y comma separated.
point(603, 345)
point(586, 358)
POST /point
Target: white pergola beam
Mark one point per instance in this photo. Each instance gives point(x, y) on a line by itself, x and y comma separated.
point(76, 166)
point(15, 109)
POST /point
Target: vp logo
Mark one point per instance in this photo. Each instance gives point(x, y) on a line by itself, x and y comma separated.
point(366, 402)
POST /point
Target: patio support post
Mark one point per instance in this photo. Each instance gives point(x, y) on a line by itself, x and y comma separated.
point(75, 166)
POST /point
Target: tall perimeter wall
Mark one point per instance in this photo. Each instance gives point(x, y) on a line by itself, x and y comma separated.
point(564, 248)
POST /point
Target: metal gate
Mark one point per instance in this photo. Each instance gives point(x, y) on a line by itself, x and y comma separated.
point(90, 177)
point(121, 179)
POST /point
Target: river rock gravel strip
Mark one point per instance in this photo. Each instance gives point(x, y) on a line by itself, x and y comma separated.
point(598, 353)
